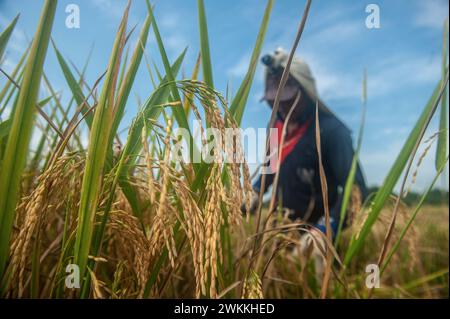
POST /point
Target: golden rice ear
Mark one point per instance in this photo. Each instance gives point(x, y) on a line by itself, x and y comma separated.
point(46, 201)
point(252, 287)
point(132, 246)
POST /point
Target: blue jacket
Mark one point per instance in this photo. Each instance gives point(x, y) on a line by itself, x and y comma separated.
point(299, 187)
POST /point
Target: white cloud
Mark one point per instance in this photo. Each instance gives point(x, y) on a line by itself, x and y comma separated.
point(175, 42)
point(431, 13)
point(402, 71)
point(337, 32)
point(387, 73)
point(169, 21)
point(395, 131)
point(331, 83)
point(8, 65)
point(110, 7)
point(240, 68)
point(114, 9)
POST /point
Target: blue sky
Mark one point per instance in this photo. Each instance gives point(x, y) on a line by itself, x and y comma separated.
point(403, 57)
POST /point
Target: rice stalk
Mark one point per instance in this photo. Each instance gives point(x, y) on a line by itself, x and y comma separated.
point(19, 138)
point(204, 45)
point(96, 155)
point(441, 150)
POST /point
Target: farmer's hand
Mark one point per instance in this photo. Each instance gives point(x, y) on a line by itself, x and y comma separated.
point(321, 225)
point(253, 203)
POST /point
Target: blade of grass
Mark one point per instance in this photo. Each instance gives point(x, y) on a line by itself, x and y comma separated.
point(188, 97)
point(204, 45)
point(130, 76)
point(6, 34)
point(74, 86)
point(178, 112)
point(427, 278)
point(5, 126)
point(240, 100)
point(64, 112)
point(41, 112)
point(123, 69)
point(149, 70)
point(22, 125)
point(38, 152)
point(97, 150)
point(441, 150)
point(324, 188)
point(17, 70)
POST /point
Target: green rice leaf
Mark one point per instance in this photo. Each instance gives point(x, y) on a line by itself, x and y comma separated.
point(6, 34)
point(21, 129)
point(180, 116)
point(17, 70)
point(129, 77)
point(441, 150)
point(74, 86)
point(97, 151)
point(240, 100)
point(204, 45)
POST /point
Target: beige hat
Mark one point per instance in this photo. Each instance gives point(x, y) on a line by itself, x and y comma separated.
point(299, 71)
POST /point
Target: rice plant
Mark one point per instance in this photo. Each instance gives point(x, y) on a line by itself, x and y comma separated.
point(138, 225)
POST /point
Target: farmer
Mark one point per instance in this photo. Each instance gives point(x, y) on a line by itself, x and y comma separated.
point(299, 186)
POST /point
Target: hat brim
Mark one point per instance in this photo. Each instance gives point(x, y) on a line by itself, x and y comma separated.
point(289, 91)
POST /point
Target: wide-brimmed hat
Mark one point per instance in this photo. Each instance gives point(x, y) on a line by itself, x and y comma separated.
point(300, 77)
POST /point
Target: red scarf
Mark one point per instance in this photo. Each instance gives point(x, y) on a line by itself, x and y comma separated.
point(290, 140)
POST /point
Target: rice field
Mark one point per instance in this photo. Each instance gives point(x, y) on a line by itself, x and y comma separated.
point(136, 224)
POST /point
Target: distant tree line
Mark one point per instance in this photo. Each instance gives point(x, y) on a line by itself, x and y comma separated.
point(436, 197)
